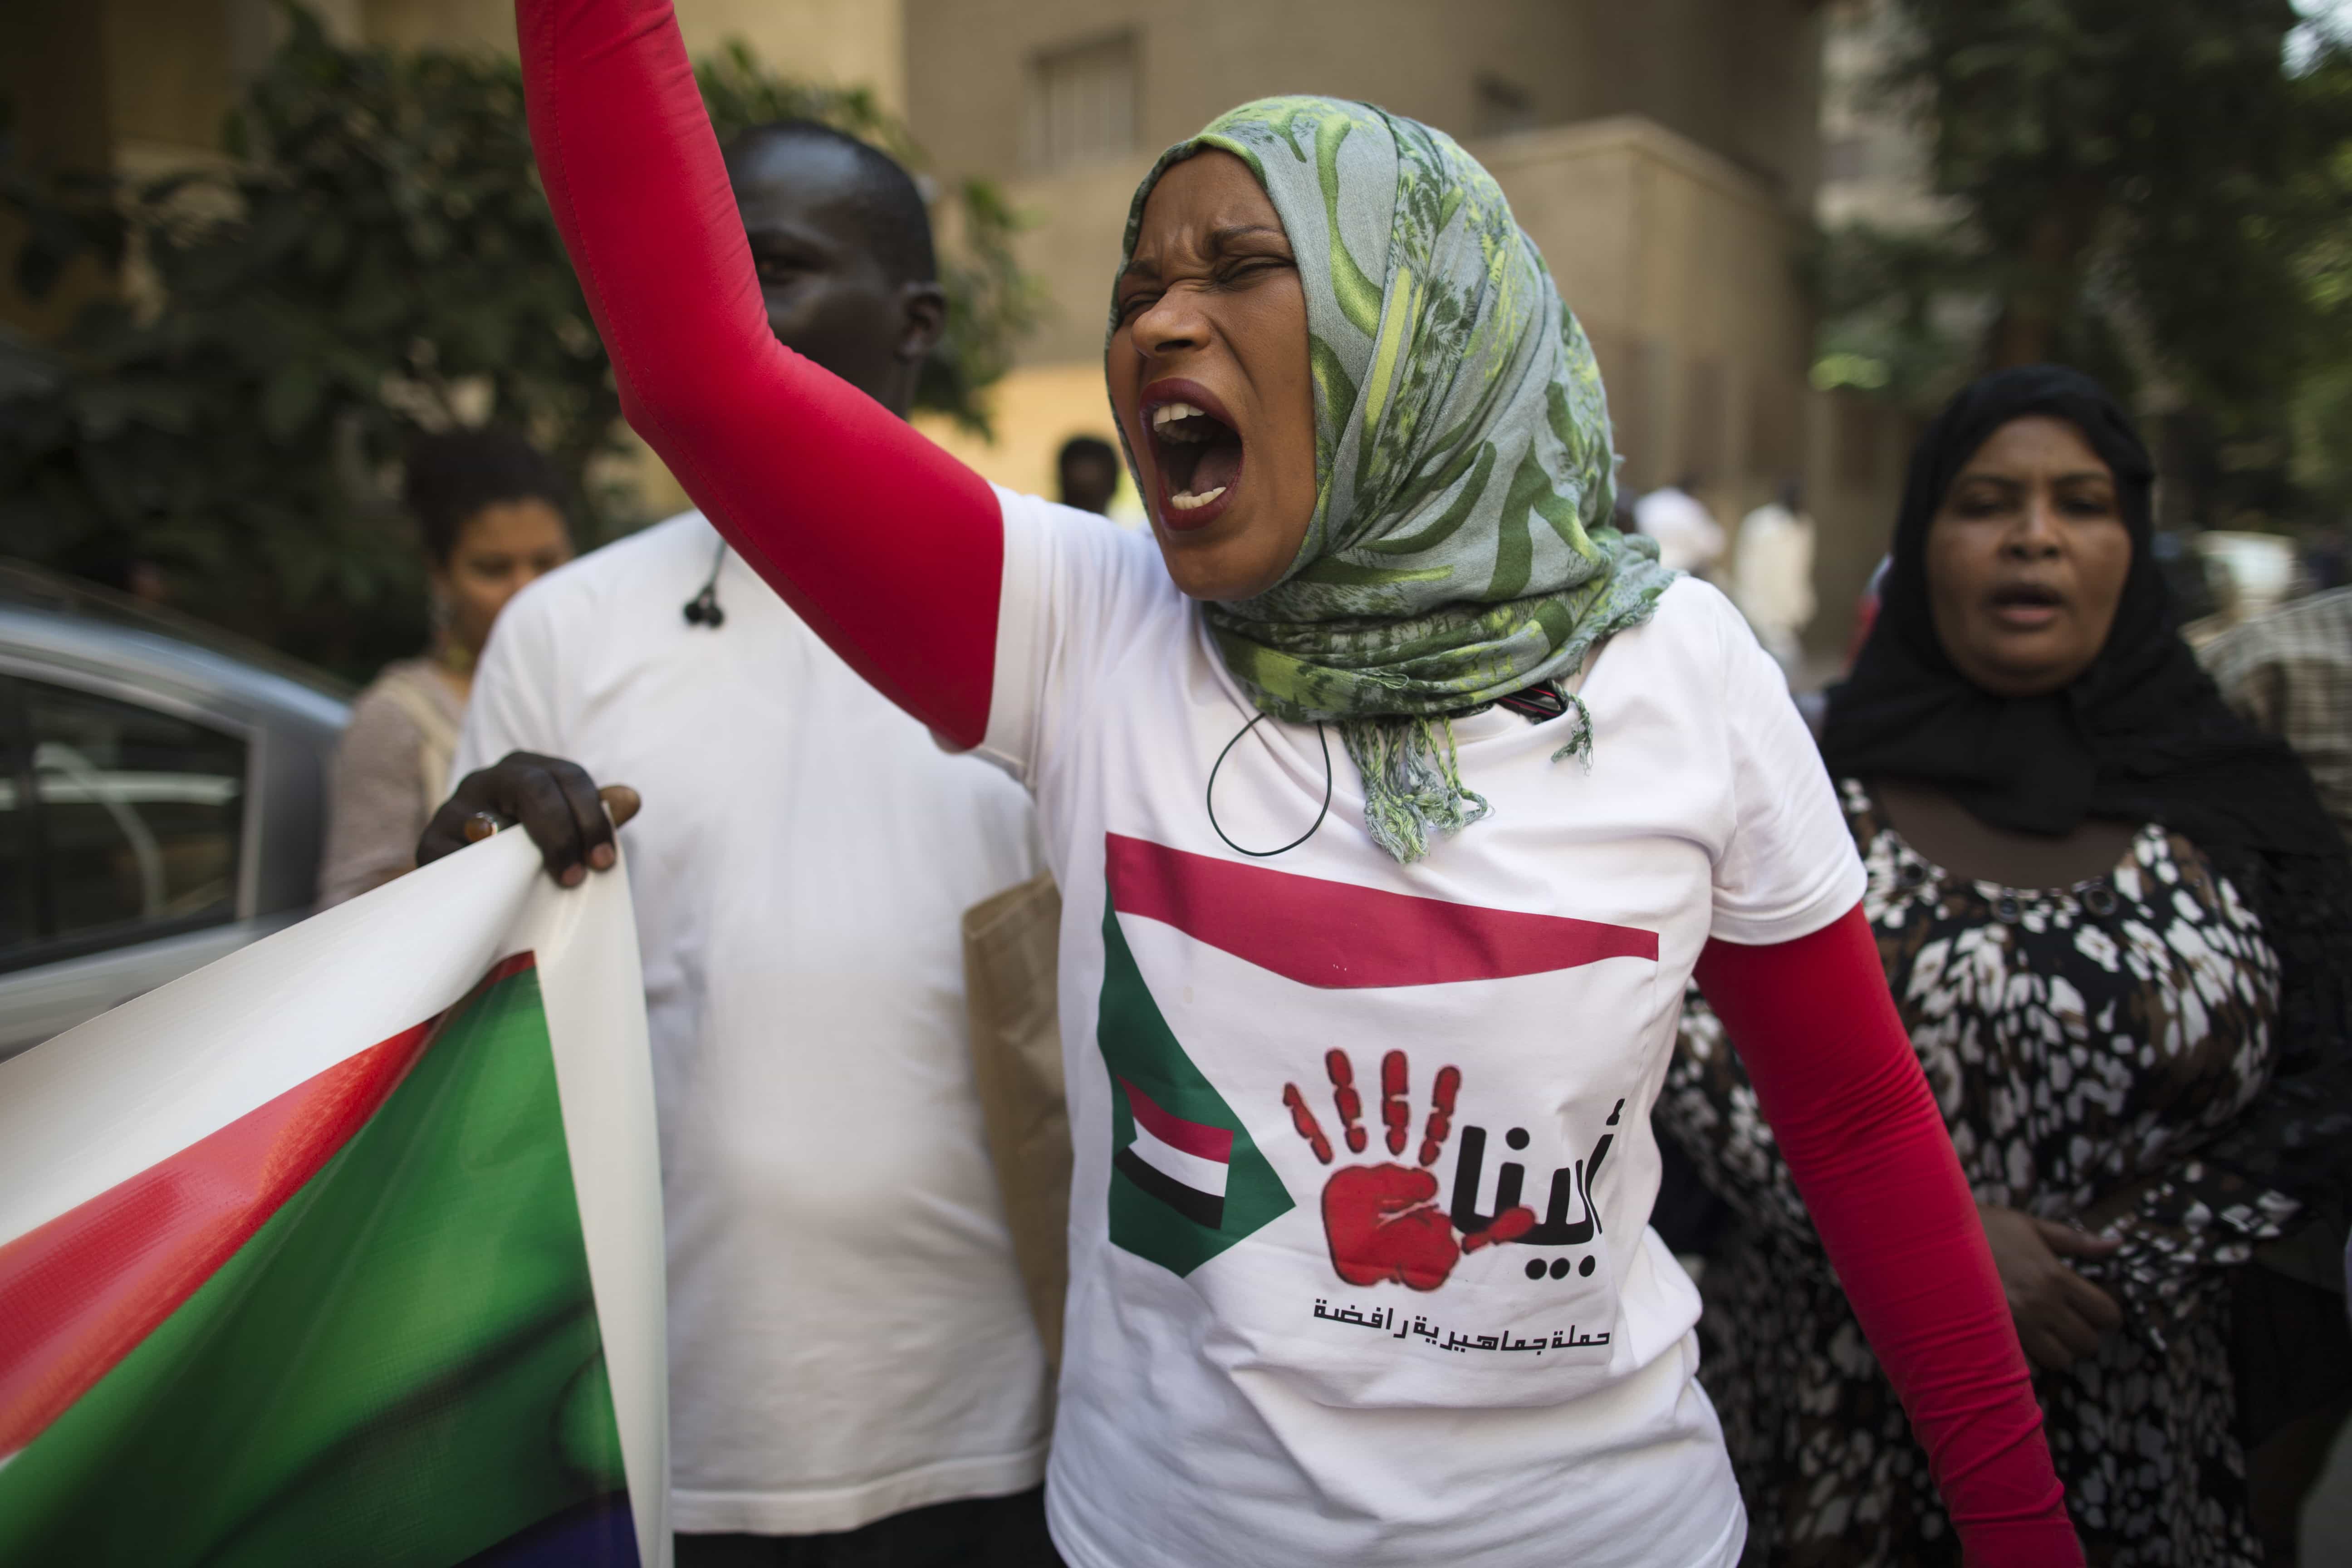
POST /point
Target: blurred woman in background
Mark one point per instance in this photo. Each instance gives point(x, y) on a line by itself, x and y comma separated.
point(489, 507)
point(2114, 918)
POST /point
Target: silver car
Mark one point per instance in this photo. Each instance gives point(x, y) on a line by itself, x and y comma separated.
point(163, 794)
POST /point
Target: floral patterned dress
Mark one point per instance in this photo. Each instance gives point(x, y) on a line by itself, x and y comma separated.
point(2084, 1044)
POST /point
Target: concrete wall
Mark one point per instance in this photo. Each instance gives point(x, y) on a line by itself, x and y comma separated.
point(967, 61)
point(846, 43)
point(1740, 78)
point(1681, 267)
point(142, 85)
point(1857, 448)
point(1737, 77)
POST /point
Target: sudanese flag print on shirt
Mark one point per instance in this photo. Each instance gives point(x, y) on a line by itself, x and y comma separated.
point(1187, 1182)
point(1187, 1179)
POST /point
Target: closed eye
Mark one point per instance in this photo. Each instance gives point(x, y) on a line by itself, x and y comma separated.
point(1985, 502)
point(783, 259)
point(1250, 269)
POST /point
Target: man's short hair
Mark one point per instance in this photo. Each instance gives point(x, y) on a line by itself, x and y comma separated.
point(1088, 450)
point(897, 225)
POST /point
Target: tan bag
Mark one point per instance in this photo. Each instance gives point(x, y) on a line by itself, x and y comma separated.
point(1010, 946)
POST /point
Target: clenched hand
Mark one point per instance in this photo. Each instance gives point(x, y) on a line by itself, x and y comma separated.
point(555, 801)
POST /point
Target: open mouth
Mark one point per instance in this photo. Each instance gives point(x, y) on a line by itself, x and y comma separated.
point(1196, 452)
point(2027, 604)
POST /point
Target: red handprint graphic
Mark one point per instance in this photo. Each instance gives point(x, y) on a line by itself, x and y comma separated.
point(1382, 1221)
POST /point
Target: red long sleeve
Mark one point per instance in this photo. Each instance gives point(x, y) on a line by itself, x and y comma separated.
point(891, 549)
point(1858, 1125)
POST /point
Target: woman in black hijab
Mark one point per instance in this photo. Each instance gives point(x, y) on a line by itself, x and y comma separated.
point(2115, 920)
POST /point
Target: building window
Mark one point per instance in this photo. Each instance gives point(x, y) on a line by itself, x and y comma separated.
point(1502, 107)
point(1082, 103)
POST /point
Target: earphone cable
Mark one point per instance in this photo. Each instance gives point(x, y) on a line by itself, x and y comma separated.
point(703, 610)
point(1210, 795)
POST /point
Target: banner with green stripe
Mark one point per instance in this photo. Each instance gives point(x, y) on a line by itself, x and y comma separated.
point(397, 1299)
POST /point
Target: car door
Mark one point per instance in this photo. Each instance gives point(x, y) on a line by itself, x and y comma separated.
point(125, 849)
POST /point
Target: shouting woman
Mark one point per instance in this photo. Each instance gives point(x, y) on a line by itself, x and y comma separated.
point(2114, 920)
point(1393, 797)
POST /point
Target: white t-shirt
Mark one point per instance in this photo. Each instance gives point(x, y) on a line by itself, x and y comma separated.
point(1242, 1383)
point(848, 1333)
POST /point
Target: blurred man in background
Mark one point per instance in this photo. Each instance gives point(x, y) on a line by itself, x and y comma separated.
point(1088, 468)
point(855, 1377)
point(2289, 671)
point(1689, 539)
point(1772, 577)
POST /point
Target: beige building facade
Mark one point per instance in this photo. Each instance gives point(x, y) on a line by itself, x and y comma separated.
point(1666, 157)
point(139, 85)
point(1661, 156)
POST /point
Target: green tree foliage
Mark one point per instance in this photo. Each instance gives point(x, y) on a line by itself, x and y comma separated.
point(2142, 188)
point(2322, 425)
point(373, 254)
point(1902, 313)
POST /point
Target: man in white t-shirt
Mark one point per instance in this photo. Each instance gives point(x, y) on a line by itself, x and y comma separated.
point(855, 1374)
point(1689, 539)
point(1772, 577)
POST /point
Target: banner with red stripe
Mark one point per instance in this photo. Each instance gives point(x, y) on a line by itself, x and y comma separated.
point(296, 1251)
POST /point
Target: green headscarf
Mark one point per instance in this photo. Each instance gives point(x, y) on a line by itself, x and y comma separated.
point(1460, 548)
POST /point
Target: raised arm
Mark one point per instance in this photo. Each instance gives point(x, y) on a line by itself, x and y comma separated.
point(891, 549)
point(1854, 1118)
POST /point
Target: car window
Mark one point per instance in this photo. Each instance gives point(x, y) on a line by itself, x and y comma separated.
point(20, 922)
point(121, 822)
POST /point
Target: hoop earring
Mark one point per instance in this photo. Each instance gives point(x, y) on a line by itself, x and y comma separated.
point(442, 637)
